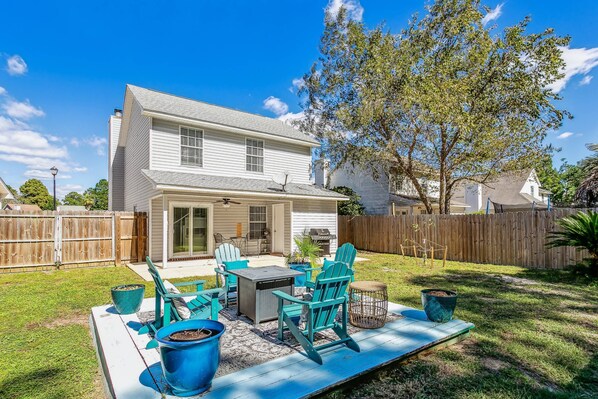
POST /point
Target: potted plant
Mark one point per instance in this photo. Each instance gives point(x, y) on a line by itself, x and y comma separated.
point(127, 298)
point(439, 304)
point(304, 256)
point(190, 354)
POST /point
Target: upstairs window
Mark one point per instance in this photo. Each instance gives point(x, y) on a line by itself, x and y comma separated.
point(257, 222)
point(532, 191)
point(191, 146)
point(254, 155)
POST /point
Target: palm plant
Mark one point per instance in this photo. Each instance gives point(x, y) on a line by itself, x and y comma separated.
point(580, 231)
point(307, 250)
point(587, 192)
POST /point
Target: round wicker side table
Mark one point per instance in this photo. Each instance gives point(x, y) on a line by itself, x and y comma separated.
point(368, 304)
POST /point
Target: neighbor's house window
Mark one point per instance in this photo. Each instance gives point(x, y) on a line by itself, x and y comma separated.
point(257, 222)
point(531, 190)
point(255, 155)
point(191, 146)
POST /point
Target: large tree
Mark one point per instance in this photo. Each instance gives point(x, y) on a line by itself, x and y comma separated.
point(562, 182)
point(34, 192)
point(446, 100)
point(96, 198)
point(74, 198)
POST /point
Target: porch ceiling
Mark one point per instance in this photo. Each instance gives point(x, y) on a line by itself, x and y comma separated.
point(167, 180)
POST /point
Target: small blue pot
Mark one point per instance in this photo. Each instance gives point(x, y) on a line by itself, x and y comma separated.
point(300, 267)
point(190, 366)
point(127, 301)
point(439, 309)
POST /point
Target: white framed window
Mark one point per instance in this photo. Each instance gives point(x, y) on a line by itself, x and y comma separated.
point(191, 146)
point(531, 190)
point(257, 221)
point(254, 155)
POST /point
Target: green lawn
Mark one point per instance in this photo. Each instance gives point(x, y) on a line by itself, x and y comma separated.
point(534, 337)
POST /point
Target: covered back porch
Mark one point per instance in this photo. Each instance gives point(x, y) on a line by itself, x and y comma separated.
point(187, 226)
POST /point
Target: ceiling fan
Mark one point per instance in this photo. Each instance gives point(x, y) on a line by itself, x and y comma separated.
point(226, 202)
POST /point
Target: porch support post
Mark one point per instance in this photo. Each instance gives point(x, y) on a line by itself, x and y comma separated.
point(164, 231)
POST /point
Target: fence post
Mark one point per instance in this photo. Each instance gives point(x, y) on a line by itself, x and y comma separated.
point(139, 222)
point(57, 240)
point(116, 234)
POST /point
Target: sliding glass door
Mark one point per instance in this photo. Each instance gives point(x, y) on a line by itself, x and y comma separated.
point(189, 231)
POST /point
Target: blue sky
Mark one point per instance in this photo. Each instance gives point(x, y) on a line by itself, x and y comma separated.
point(64, 66)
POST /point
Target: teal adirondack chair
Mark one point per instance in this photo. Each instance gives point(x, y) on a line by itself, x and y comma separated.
point(205, 304)
point(227, 253)
point(346, 254)
point(329, 293)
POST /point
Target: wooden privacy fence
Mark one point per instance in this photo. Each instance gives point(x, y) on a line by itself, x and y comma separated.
point(29, 241)
point(517, 238)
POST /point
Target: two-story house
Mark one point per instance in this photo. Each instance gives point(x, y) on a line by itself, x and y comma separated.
point(384, 194)
point(200, 170)
point(509, 191)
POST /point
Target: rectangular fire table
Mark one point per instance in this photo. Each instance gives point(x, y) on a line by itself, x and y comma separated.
point(254, 290)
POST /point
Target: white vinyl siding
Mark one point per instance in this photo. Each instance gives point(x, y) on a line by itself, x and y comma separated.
point(156, 219)
point(137, 188)
point(309, 214)
point(116, 167)
point(373, 193)
point(191, 146)
point(254, 158)
point(224, 154)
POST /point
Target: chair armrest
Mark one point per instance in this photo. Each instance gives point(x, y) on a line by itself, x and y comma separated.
point(311, 269)
point(287, 297)
point(212, 292)
point(220, 271)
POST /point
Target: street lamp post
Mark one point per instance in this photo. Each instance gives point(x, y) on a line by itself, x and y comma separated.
point(54, 171)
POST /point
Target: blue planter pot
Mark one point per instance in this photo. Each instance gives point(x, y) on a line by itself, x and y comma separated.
point(439, 309)
point(300, 267)
point(190, 366)
point(127, 298)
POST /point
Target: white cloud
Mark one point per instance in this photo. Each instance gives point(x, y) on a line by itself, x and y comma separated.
point(353, 8)
point(297, 84)
point(565, 135)
point(578, 61)
point(2, 91)
point(586, 80)
point(75, 142)
point(64, 189)
point(276, 105)
point(80, 169)
point(21, 110)
point(493, 14)
point(99, 143)
point(44, 174)
point(16, 65)
point(290, 117)
point(16, 138)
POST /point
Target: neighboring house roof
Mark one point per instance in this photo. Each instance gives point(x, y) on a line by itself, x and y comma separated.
point(506, 188)
point(4, 191)
point(168, 105)
point(225, 185)
point(22, 207)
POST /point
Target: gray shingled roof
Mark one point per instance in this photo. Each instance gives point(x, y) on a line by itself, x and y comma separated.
point(151, 100)
point(237, 184)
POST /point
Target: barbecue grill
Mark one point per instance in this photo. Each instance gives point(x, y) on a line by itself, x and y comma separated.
point(322, 237)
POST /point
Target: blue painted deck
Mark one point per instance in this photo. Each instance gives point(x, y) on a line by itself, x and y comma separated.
point(133, 372)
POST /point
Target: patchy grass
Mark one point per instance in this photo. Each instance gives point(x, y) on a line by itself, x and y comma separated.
point(535, 335)
point(46, 348)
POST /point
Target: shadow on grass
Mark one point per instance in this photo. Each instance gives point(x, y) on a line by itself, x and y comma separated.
point(43, 382)
point(524, 342)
